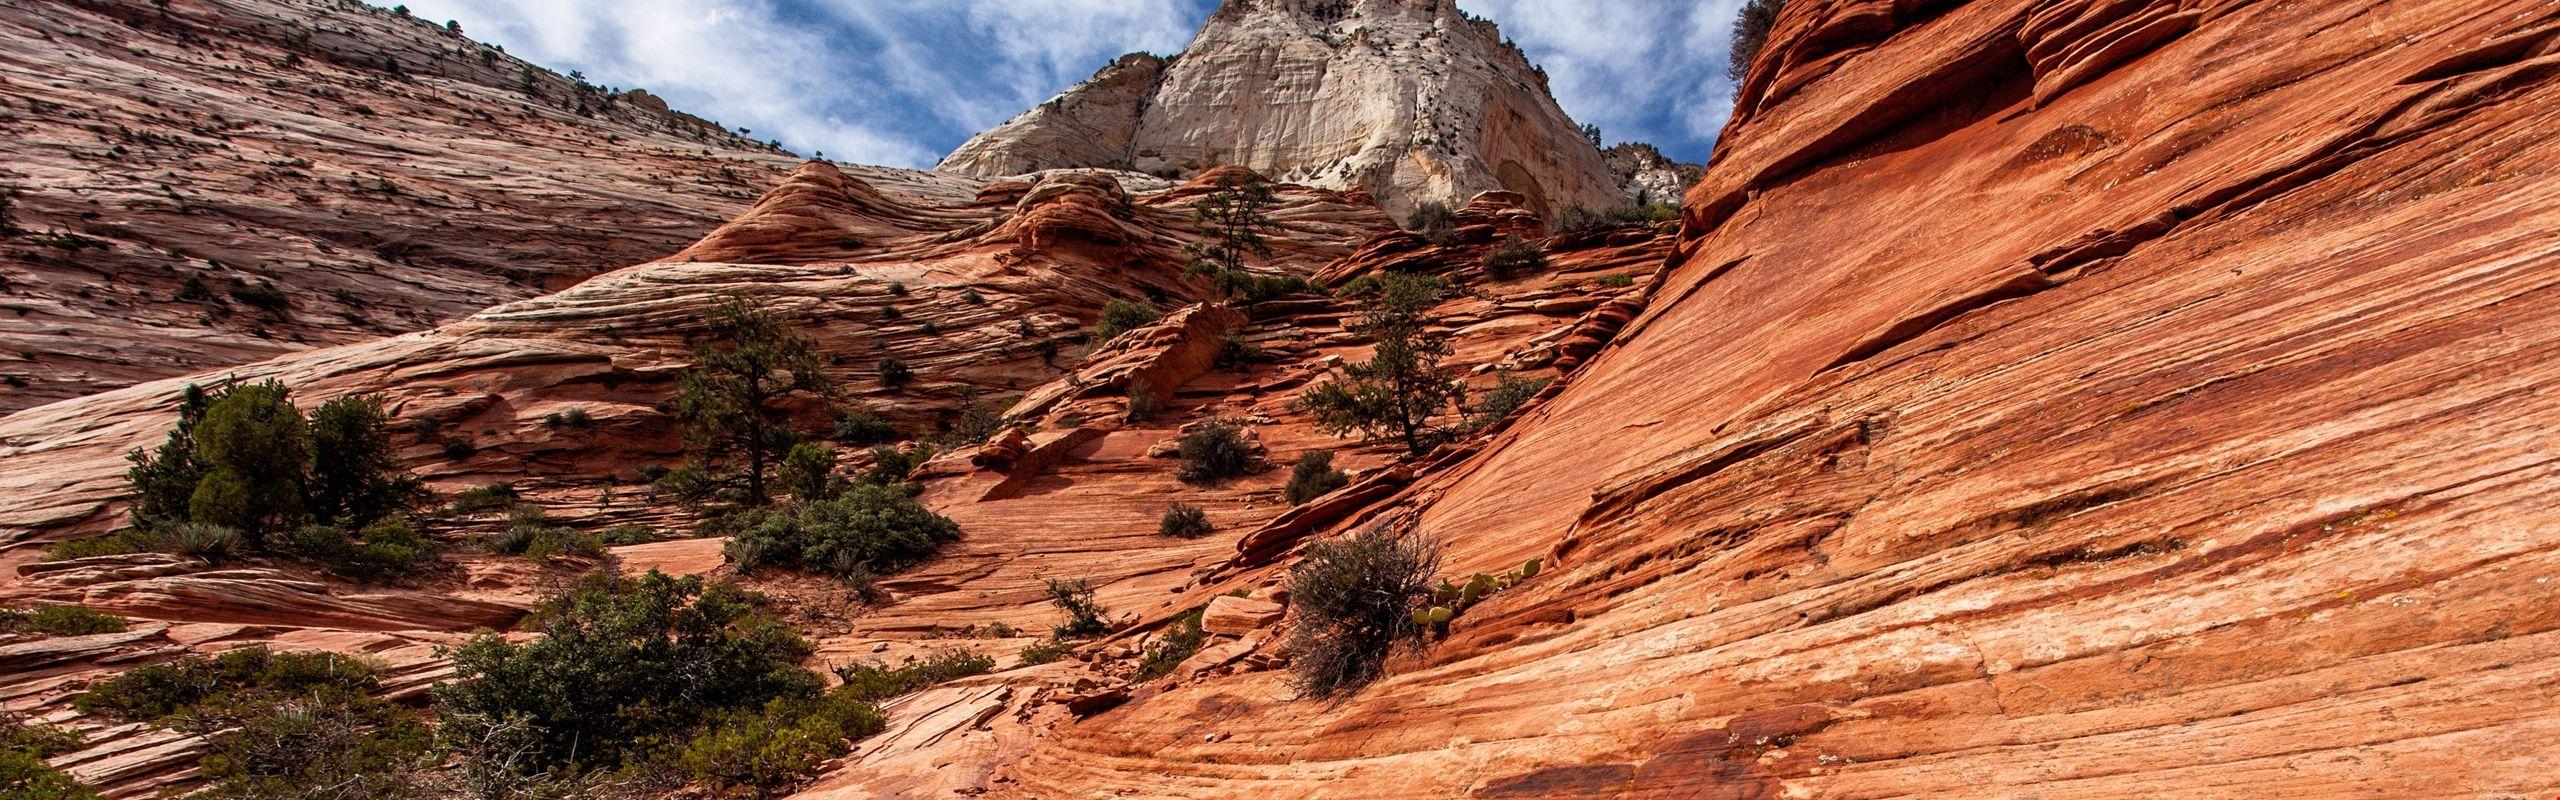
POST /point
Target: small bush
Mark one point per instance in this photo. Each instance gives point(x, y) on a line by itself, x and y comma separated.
point(204, 540)
point(1750, 30)
point(1313, 477)
point(1433, 220)
point(1617, 280)
point(261, 296)
point(459, 449)
point(322, 746)
point(771, 749)
point(59, 621)
point(895, 374)
point(1180, 640)
point(1143, 403)
point(863, 427)
point(530, 534)
point(876, 681)
point(572, 417)
point(808, 473)
point(123, 542)
point(387, 549)
point(891, 465)
point(159, 691)
point(1123, 316)
point(1084, 615)
point(489, 497)
point(1508, 394)
point(1354, 597)
point(1183, 521)
point(870, 530)
point(1514, 258)
point(1047, 650)
point(1235, 352)
point(1213, 452)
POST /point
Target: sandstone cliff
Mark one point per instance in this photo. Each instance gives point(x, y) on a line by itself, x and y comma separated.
point(1410, 100)
point(206, 183)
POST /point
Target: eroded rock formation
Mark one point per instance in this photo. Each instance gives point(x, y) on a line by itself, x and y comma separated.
point(201, 184)
point(1410, 100)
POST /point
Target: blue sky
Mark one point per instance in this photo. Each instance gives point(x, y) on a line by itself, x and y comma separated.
point(901, 82)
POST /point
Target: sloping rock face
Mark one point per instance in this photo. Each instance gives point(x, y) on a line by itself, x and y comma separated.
point(2051, 398)
point(201, 184)
point(1410, 100)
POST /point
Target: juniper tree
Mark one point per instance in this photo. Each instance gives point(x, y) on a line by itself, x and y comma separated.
point(353, 477)
point(1750, 30)
point(1402, 386)
point(747, 366)
point(255, 448)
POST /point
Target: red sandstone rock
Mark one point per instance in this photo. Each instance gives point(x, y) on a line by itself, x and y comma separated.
point(1236, 616)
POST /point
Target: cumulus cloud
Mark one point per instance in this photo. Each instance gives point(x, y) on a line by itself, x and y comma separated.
point(900, 82)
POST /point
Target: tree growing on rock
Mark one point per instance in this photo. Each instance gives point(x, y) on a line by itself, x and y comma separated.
point(747, 367)
point(1236, 217)
point(1397, 392)
point(243, 463)
point(1750, 30)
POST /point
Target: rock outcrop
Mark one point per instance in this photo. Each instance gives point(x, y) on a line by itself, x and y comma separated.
point(207, 183)
point(2050, 398)
point(1409, 100)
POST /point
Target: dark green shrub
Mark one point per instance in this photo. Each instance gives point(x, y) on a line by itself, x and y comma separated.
point(808, 473)
point(123, 542)
point(891, 465)
point(869, 530)
point(1181, 638)
point(1508, 394)
point(1513, 259)
point(895, 374)
point(59, 621)
point(203, 540)
point(354, 479)
point(255, 447)
point(1235, 351)
point(1402, 386)
point(1214, 451)
point(1617, 280)
point(571, 417)
point(159, 691)
point(1183, 521)
point(1354, 597)
point(1313, 477)
point(1123, 316)
point(1084, 615)
point(623, 668)
point(530, 533)
point(863, 427)
point(261, 296)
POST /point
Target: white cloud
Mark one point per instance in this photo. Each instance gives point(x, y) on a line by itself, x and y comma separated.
point(893, 82)
point(1632, 68)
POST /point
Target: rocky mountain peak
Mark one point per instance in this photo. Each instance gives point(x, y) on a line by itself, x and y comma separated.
point(1409, 100)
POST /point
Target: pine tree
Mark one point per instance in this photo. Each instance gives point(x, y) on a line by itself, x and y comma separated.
point(256, 449)
point(732, 401)
point(1235, 217)
point(163, 480)
point(1402, 386)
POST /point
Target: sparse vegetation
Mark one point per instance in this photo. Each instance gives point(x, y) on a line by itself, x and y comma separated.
point(1402, 386)
point(895, 374)
point(1084, 614)
point(1750, 30)
point(1047, 650)
point(747, 367)
point(1508, 394)
point(1313, 477)
point(1433, 220)
point(1123, 316)
point(1214, 451)
point(1355, 597)
point(1183, 521)
point(1576, 220)
point(1513, 259)
point(863, 427)
point(57, 620)
point(24, 775)
point(875, 681)
point(890, 465)
point(1181, 638)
